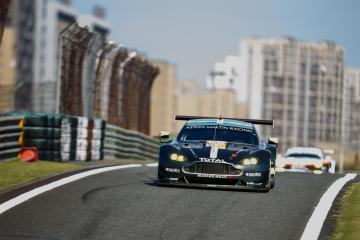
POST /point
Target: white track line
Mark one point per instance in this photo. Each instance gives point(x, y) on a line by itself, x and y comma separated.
point(30, 194)
point(316, 221)
point(152, 164)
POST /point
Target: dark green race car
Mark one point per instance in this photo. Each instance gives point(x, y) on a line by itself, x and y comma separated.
point(218, 153)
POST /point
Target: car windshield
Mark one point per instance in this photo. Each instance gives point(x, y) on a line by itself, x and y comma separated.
point(303, 155)
point(219, 133)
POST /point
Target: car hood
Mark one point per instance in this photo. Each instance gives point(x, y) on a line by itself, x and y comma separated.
point(302, 161)
point(200, 152)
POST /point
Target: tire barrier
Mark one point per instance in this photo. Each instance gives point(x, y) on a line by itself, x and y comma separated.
point(69, 138)
point(82, 139)
point(121, 143)
point(42, 131)
point(10, 134)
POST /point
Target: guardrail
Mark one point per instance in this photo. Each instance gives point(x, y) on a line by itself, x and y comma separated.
point(121, 143)
point(69, 138)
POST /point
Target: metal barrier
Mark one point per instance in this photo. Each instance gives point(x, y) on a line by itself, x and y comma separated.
point(121, 143)
point(10, 134)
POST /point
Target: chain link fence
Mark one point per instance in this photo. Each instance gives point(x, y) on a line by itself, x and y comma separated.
point(97, 79)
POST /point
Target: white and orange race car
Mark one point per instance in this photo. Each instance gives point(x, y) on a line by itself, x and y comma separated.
point(306, 159)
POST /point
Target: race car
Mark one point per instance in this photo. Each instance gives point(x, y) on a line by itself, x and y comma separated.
point(306, 159)
point(218, 153)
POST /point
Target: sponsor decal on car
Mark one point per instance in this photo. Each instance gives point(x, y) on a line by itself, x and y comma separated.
point(176, 170)
point(215, 146)
point(214, 160)
point(256, 174)
point(253, 183)
point(203, 175)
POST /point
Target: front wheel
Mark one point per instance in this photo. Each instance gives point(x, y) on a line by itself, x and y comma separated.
point(268, 185)
point(272, 177)
point(272, 181)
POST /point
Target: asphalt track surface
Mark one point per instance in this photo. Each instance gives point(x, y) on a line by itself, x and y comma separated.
point(126, 204)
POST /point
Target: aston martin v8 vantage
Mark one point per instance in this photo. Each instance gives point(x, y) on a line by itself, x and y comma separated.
point(218, 153)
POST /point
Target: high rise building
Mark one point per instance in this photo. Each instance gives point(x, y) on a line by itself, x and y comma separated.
point(352, 109)
point(96, 22)
point(224, 75)
point(298, 84)
point(194, 99)
point(162, 98)
point(21, 20)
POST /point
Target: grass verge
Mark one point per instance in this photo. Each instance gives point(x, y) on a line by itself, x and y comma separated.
point(14, 173)
point(348, 220)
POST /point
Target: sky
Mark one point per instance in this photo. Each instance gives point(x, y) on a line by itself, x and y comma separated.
point(195, 34)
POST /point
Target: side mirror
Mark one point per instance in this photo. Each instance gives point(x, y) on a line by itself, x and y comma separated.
point(164, 137)
point(273, 141)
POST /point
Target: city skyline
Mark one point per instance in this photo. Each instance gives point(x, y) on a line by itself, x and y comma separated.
point(266, 68)
point(166, 27)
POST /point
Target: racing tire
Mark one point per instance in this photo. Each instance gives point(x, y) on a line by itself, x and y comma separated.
point(272, 181)
point(35, 121)
point(35, 132)
point(268, 185)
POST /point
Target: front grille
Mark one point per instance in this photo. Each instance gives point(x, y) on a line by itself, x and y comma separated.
point(212, 168)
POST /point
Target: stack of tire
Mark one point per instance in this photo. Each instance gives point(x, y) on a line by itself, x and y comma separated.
point(10, 131)
point(82, 139)
point(43, 131)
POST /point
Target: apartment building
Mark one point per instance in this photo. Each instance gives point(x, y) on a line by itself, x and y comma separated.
point(298, 84)
point(197, 100)
point(20, 26)
point(352, 108)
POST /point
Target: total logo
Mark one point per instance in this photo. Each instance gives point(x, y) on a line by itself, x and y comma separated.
point(214, 160)
point(256, 174)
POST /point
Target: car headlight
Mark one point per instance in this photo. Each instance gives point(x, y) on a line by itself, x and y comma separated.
point(178, 157)
point(250, 161)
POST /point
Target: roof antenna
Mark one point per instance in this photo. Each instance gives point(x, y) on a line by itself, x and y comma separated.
point(221, 110)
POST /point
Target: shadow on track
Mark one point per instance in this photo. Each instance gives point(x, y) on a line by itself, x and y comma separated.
point(155, 183)
point(21, 236)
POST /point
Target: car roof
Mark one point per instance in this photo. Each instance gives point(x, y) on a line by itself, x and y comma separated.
point(303, 150)
point(223, 122)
